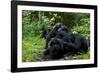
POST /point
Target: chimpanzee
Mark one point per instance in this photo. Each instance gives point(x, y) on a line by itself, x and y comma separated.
point(74, 41)
point(60, 41)
point(52, 33)
point(55, 49)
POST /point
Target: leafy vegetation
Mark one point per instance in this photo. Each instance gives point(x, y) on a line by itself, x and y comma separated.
point(35, 22)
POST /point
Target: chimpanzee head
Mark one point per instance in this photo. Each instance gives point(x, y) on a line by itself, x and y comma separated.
point(57, 26)
point(55, 49)
point(63, 28)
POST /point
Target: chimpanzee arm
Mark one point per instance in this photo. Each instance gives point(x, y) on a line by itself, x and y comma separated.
point(74, 45)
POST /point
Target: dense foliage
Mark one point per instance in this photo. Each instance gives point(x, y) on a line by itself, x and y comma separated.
point(35, 22)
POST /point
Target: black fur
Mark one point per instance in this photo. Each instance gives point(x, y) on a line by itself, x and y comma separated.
point(60, 41)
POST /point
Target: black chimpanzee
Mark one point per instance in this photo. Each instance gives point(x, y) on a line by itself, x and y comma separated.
point(52, 33)
point(73, 42)
point(55, 49)
point(60, 41)
point(79, 44)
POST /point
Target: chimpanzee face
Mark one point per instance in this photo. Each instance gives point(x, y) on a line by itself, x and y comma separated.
point(55, 48)
point(55, 43)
